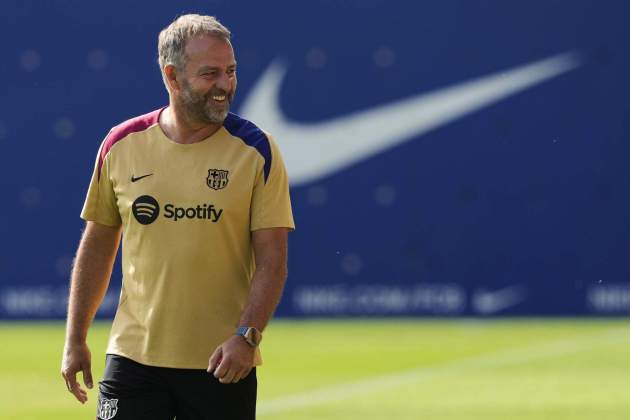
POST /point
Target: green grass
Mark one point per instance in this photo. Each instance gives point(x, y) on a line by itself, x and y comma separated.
point(528, 369)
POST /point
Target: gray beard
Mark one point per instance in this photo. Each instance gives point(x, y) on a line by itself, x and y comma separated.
point(198, 109)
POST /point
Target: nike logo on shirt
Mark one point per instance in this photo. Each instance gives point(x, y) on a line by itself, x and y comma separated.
point(134, 179)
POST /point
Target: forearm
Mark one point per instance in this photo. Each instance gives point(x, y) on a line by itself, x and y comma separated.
point(270, 250)
point(265, 293)
point(90, 277)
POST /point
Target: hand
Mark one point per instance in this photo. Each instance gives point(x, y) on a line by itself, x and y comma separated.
point(232, 360)
point(77, 358)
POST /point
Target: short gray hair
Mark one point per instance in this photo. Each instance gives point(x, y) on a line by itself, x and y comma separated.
point(173, 39)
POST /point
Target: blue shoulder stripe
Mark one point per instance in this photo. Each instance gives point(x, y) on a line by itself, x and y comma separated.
point(252, 136)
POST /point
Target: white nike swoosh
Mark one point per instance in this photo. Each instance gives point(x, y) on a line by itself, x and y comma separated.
point(487, 303)
point(315, 150)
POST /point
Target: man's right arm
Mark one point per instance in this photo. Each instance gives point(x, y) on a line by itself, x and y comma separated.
point(90, 277)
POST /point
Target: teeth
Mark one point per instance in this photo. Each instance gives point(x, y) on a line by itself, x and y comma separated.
point(219, 98)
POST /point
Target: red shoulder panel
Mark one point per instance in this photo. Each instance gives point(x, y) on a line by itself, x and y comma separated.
point(121, 131)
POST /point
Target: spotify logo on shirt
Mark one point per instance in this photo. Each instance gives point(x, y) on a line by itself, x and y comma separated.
point(146, 210)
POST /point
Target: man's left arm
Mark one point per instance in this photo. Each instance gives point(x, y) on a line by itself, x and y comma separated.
point(234, 359)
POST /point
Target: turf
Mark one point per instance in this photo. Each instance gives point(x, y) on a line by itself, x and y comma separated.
point(401, 369)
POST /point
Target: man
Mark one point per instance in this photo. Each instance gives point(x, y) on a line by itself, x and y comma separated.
point(201, 198)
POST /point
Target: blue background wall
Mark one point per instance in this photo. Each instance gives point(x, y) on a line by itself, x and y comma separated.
point(517, 207)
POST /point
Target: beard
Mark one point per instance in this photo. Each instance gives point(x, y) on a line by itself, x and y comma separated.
point(200, 107)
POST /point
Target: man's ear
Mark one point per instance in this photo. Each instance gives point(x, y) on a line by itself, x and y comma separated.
point(170, 73)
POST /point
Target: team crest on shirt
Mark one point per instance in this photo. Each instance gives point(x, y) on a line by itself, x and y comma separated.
point(217, 179)
point(106, 409)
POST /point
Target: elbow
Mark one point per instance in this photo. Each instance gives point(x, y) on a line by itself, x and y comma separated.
point(281, 271)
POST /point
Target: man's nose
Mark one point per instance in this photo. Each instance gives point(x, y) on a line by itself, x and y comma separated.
point(223, 82)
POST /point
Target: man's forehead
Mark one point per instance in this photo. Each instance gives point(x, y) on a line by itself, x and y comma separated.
point(208, 47)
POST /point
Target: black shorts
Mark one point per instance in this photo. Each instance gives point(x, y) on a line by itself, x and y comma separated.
point(132, 391)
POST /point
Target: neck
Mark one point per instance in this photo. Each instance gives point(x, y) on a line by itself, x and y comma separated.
point(181, 129)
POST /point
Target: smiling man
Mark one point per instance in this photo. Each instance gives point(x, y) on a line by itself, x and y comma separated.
point(201, 198)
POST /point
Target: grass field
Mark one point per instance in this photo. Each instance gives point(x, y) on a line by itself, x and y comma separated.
point(526, 369)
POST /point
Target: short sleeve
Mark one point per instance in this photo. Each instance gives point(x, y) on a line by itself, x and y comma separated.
point(271, 203)
point(100, 202)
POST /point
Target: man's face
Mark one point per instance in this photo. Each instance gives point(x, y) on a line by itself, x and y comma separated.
point(209, 81)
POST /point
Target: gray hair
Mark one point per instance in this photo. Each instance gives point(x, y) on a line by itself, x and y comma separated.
point(173, 39)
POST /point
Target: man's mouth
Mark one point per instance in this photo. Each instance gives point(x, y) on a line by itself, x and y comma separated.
point(219, 98)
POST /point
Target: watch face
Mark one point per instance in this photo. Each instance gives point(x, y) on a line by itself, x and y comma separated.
point(253, 336)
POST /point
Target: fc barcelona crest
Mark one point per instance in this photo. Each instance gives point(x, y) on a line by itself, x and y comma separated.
point(107, 409)
point(217, 179)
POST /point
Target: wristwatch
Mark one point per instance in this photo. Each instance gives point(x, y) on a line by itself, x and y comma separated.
point(251, 335)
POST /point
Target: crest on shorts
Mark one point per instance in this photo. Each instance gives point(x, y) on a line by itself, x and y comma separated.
point(106, 409)
point(217, 179)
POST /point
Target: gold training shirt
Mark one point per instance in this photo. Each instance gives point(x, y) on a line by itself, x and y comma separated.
point(187, 212)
